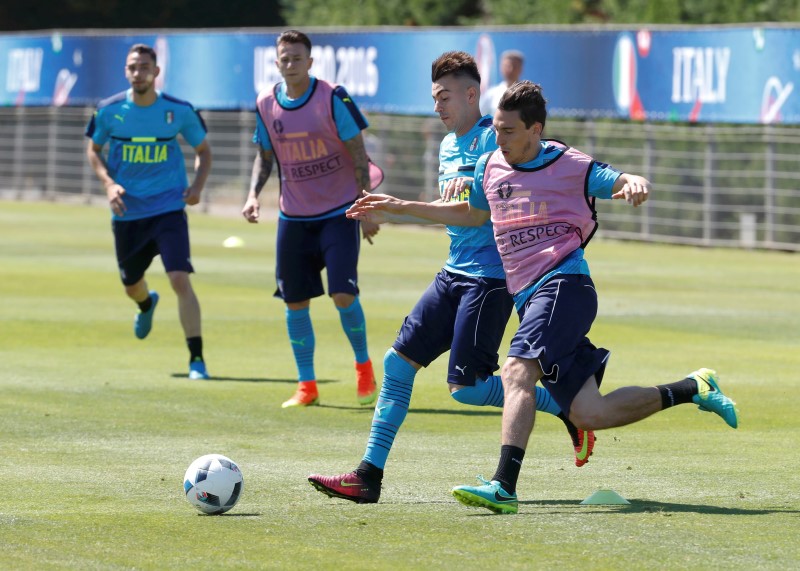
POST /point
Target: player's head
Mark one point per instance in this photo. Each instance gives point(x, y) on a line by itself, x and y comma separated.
point(294, 56)
point(141, 69)
point(511, 62)
point(519, 121)
point(456, 90)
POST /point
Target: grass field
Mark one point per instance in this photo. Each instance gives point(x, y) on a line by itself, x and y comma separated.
point(97, 428)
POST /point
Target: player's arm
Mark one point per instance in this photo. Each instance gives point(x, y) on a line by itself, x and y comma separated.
point(383, 217)
point(202, 168)
point(633, 188)
point(262, 168)
point(355, 147)
point(114, 191)
point(450, 213)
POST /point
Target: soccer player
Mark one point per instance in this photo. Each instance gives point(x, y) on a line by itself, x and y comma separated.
point(313, 129)
point(539, 195)
point(466, 307)
point(144, 176)
point(511, 62)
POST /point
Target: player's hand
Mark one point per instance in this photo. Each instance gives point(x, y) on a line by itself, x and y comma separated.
point(369, 229)
point(455, 186)
point(251, 210)
point(635, 191)
point(371, 203)
point(115, 193)
point(372, 217)
point(191, 195)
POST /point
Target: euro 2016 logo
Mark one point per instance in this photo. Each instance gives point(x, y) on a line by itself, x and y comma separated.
point(278, 126)
point(504, 190)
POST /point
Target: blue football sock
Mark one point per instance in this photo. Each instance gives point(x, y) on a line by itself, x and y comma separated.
point(545, 402)
point(355, 327)
point(483, 393)
point(391, 409)
point(301, 336)
point(489, 392)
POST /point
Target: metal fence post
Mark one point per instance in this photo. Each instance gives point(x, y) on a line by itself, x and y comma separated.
point(708, 185)
point(87, 180)
point(51, 177)
point(247, 152)
point(647, 172)
point(19, 151)
point(769, 185)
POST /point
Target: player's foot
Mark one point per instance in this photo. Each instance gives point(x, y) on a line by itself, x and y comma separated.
point(305, 395)
point(144, 319)
point(583, 450)
point(366, 383)
point(197, 371)
point(489, 495)
point(709, 397)
point(348, 486)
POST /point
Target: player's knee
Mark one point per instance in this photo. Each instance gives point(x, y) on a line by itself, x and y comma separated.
point(467, 395)
point(393, 356)
point(343, 300)
point(393, 362)
point(180, 283)
point(585, 418)
point(518, 375)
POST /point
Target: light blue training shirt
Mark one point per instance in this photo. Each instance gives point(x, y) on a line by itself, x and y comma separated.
point(144, 155)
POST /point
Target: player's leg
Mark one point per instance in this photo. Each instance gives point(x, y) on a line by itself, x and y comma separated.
point(340, 242)
point(298, 267)
point(484, 308)
point(425, 334)
point(171, 232)
point(554, 322)
point(519, 412)
point(190, 318)
point(135, 251)
point(631, 404)
point(363, 485)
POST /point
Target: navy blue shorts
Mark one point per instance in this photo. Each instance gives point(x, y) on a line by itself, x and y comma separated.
point(553, 329)
point(304, 249)
point(137, 242)
point(466, 315)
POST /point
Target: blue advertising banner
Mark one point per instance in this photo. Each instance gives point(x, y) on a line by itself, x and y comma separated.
point(736, 74)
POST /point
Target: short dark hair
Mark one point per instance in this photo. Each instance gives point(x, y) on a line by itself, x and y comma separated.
point(294, 37)
point(457, 64)
point(143, 49)
point(525, 97)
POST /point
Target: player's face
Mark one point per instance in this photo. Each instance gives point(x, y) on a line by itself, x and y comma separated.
point(511, 69)
point(293, 63)
point(517, 143)
point(454, 100)
point(141, 72)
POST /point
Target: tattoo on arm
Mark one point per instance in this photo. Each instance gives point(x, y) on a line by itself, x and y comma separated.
point(355, 147)
point(262, 167)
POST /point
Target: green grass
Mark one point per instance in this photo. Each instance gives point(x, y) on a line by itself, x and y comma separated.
point(97, 428)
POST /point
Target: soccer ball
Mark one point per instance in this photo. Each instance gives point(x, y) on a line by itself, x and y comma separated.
point(213, 483)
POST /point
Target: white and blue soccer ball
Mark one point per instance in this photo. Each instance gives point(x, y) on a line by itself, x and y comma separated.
point(213, 483)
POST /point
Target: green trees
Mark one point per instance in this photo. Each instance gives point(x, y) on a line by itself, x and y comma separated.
point(532, 12)
point(66, 14)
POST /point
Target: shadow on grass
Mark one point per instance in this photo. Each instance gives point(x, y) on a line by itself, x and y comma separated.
point(215, 378)
point(459, 412)
point(228, 514)
point(638, 506)
point(371, 407)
